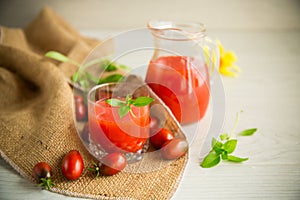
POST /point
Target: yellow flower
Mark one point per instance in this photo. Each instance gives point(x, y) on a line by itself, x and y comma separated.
point(227, 60)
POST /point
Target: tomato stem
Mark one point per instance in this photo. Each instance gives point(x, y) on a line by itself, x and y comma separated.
point(95, 168)
point(46, 183)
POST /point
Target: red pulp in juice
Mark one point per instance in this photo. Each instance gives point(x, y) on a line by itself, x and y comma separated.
point(115, 134)
point(183, 84)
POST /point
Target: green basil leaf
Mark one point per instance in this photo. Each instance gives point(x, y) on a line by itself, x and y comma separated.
point(142, 101)
point(111, 67)
point(57, 56)
point(224, 136)
point(124, 67)
point(217, 146)
point(248, 132)
point(211, 160)
point(60, 57)
point(230, 145)
point(75, 77)
point(111, 78)
point(224, 155)
point(123, 111)
point(236, 159)
point(108, 66)
point(128, 97)
point(115, 102)
point(213, 142)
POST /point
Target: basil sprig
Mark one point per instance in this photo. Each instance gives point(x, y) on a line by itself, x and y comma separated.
point(222, 150)
point(125, 106)
point(84, 78)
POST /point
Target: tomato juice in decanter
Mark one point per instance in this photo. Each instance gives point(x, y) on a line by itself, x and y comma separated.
point(179, 69)
point(181, 86)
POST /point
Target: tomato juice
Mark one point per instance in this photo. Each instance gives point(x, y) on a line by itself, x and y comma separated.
point(115, 134)
point(183, 84)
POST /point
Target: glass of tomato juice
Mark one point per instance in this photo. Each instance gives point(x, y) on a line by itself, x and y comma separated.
point(108, 131)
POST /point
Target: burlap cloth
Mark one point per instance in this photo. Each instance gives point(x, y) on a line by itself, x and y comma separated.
point(36, 117)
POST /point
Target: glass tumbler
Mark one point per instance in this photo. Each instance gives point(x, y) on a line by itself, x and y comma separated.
point(108, 131)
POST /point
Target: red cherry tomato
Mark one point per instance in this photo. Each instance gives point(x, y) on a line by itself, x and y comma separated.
point(72, 165)
point(174, 149)
point(41, 170)
point(80, 111)
point(80, 108)
point(42, 173)
point(78, 99)
point(159, 138)
point(112, 164)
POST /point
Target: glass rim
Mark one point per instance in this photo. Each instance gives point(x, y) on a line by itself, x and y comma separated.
point(189, 29)
point(94, 89)
point(108, 85)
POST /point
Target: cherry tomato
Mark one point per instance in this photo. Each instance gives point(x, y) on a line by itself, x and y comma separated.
point(41, 170)
point(112, 164)
point(159, 138)
point(174, 149)
point(72, 165)
point(42, 173)
point(80, 108)
point(80, 111)
point(154, 125)
point(78, 99)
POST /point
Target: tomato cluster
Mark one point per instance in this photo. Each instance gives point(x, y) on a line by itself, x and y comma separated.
point(72, 168)
point(163, 139)
point(72, 165)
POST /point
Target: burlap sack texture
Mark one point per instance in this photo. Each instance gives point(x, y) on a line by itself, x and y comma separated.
point(36, 118)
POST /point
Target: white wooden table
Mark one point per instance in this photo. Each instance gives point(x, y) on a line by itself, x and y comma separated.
point(268, 92)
